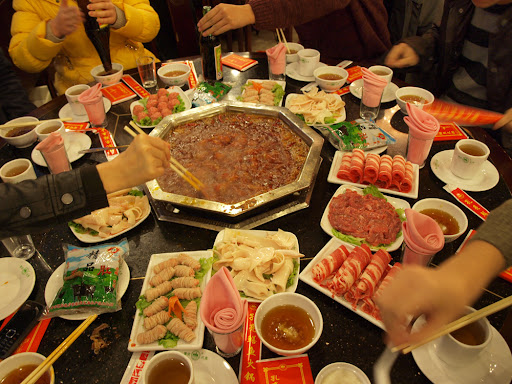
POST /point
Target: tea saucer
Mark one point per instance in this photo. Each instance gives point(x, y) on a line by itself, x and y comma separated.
point(66, 111)
point(494, 364)
point(388, 95)
point(74, 142)
point(484, 180)
point(292, 70)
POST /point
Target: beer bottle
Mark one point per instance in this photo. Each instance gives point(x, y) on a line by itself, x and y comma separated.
point(211, 54)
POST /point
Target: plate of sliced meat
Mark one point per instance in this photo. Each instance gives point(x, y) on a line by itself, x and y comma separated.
point(391, 175)
point(351, 275)
point(167, 315)
point(357, 217)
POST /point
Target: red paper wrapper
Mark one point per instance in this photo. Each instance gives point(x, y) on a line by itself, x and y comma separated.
point(354, 73)
point(285, 370)
point(251, 351)
point(468, 201)
point(238, 62)
point(343, 91)
point(118, 93)
point(76, 126)
point(107, 140)
point(192, 77)
point(135, 87)
point(450, 131)
point(461, 114)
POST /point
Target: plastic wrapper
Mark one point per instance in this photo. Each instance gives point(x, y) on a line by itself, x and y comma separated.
point(362, 134)
point(207, 93)
point(463, 115)
point(90, 280)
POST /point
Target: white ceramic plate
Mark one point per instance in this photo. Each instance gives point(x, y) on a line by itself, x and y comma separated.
point(395, 202)
point(17, 279)
point(74, 142)
point(184, 97)
point(66, 111)
point(485, 179)
point(235, 93)
point(292, 70)
point(138, 322)
point(210, 368)
point(262, 234)
point(335, 166)
point(55, 283)
point(494, 364)
point(388, 95)
point(307, 277)
point(341, 118)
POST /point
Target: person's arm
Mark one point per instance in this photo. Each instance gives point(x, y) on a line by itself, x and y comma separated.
point(142, 22)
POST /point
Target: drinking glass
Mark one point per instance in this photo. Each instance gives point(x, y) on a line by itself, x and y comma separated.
point(57, 160)
point(229, 344)
point(20, 246)
point(147, 71)
point(368, 109)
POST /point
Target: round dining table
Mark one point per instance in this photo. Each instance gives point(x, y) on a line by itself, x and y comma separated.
point(346, 337)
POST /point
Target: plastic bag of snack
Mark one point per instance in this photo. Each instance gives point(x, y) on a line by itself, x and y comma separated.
point(207, 93)
point(90, 280)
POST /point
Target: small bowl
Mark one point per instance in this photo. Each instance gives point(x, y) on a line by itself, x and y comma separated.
point(108, 79)
point(179, 80)
point(446, 206)
point(293, 57)
point(331, 368)
point(330, 85)
point(25, 358)
point(44, 129)
point(288, 298)
point(24, 140)
point(415, 91)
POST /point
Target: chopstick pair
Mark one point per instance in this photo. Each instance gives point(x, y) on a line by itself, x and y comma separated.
point(29, 123)
point(457, 324)
point(284, 39)
point(47, 363)
point(175, 164)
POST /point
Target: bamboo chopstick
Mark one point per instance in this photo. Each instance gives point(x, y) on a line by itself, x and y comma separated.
point(47, 363)
point(136, 127)
point(28, 123)
point(284, 39)
point(457, 324)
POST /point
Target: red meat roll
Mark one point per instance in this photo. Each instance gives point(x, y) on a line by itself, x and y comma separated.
point(368, 306)
point(349, 272)
point(384, 178)
point(357, 165)
point(397, 267)
point(398, 170)
point(371, 168)
point(344, 171)
point(370, 278)
point(351, 297)
point(329, 264)
point(406, 184)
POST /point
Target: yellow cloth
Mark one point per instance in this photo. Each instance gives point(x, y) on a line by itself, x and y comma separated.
point(75, 56)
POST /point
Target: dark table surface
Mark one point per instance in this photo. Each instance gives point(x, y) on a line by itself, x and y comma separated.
point(346, 336)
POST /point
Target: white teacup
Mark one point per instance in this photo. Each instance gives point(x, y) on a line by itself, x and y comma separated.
point(17, 170)
point(293, 57)
point(468, 157)
point(184, 363)
point(308, 60)
point(382, 71)
point(72, 94)
point(44, 129)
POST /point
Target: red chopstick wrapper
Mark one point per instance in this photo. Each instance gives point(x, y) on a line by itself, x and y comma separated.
point(461, 114)
point(135, 86)
point(133, 372)
point(192, 77)
point(251, 351)
point(468, 201)
point(343, 91)
point(76, 126)
point(285, 370)
point(354, 73)
point(118, 93)
point(450, 131)
point(107, 140)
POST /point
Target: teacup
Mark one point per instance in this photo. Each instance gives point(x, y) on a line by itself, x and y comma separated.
point(308, 60)
point(72, 94)
point(468, 157)
point(382, 71)
point(44, 129)
point(165, 362)
point(294, 48)
point(18, 170)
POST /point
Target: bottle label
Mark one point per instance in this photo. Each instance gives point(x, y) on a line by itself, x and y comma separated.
point(217, 50)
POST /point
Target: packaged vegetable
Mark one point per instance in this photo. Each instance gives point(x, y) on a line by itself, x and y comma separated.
point(207, 93)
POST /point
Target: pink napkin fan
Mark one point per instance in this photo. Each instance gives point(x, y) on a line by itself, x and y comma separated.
point(423, 127)
point(277, 58)
point(373, 87)
point(54, 153)
point(92, 99)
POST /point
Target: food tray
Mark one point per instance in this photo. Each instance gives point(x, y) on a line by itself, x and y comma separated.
point(397, 203)
point(137, 327)
point(335, 166)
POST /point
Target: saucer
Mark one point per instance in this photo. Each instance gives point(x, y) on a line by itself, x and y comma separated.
point(387, 96)
point(494, 364)
point(17, 279)
point(211, 368)
point(485, 179)
point(74, 142)
point(65, 111)
point(292, 70)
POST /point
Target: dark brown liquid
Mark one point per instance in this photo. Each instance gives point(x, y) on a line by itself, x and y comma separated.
point(472, 150)
point(288, 327)
point(16, 171)
point(49, 129)
point(106, 73)
point(380, 72)
point(447, 222)
point(169, 371)
point(471, 334)
point(413, 99)
point(18, 131)
point(19, 374)
point(292, 51)
point(330, 76)
point(174, 73)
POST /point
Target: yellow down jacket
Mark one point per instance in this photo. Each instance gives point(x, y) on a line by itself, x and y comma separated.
point(75, 56)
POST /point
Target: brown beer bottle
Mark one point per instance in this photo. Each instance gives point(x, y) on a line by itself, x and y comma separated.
point(211, 53)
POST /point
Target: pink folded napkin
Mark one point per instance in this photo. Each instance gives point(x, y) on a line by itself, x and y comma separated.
point(92, 99)
point(277, 58)
point(423, 237)
point(373, 86)
point(423, 127)
point(54, 153)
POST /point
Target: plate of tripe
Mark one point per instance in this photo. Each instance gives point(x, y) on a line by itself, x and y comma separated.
point(167, 315)
point(317, 107)
point(261, 262)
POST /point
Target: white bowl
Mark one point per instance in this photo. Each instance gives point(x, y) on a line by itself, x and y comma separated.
point(330, 85)
point(405, 91)
point(288, 298)
point(331, 368)
point(108, 79)
point(446, 206)
point(179, 80)
point(24, 140)
point(56, 125)
point(292, 57)
point(25, 358)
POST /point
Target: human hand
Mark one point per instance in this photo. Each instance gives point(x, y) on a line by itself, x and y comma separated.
point(145, 159)
point(103, 10)
point(505, 122)
point(225, 17)
point(401, 55)
point(67, 20)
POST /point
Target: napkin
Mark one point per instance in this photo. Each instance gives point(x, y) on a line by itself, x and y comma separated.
point(423, 236)
point(91, 95)
point(423, 127)
point(92, 99)
point(54, 153)
point(277, 58)
point(373, 86)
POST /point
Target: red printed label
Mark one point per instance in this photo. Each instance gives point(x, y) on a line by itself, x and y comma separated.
point(354, 73)
point(136, 87)
point(107, 140)
point(469, 202)
point(285, 370)
point(343, 91)
point(76, 126)
point(450, 131)
point(118, 93)
point(251, 351)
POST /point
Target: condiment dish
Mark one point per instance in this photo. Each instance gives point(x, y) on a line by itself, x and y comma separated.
point(292, 57)
point(108, 79)
point(21, 359)
point(450, 209)
point(288, 298)
point(178, 80)
point(336, 369)
point(428, 98)
point(24, 140)
point(330, 85)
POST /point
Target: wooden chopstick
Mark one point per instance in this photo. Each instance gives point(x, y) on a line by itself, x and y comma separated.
point(136, 127)
point(284, 39)
point(28, 123)
point(187, 173)
point(47, 363)
point(457, 324)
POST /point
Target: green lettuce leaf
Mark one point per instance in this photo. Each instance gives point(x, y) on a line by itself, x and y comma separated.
point(374, 191)
point(169, 341)
point(136, 192)
point(278, 92)
point(293, 275)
